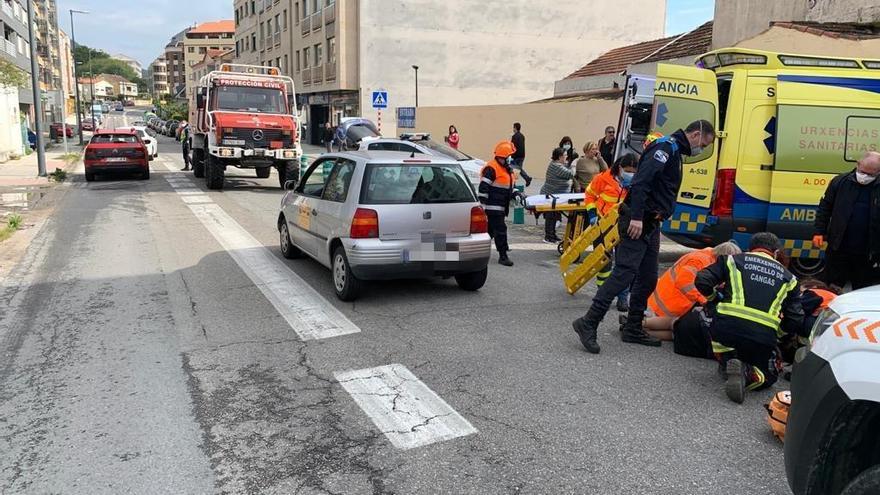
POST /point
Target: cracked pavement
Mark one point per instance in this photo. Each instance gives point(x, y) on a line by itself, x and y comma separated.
point(137, 357)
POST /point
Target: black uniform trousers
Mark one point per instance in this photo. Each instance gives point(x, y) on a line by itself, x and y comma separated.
point(762, 354)
point(185, 148)
point(842, 267)
point(498, 230)
point(635, 265)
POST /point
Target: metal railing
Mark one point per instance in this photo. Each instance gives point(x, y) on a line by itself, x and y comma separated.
point(330, 13)
point(317, 20)
point(307, 76)
point(10, 48)
point(306, 25)
point(330, 71)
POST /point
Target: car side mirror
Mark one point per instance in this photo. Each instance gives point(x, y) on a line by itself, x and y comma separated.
point(290, 185)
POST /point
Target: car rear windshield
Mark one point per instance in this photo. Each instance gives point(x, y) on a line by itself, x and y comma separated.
point(114, 138)
point(444, 149)
point(400, 184)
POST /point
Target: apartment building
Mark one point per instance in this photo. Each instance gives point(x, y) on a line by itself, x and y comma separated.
point(175, 66)
point(159, 77)
point(68, 79)
point(211, 62)
point(49, 57)
point(14, 101)
point(134, 64)
point(340, 51)
point(216, 35)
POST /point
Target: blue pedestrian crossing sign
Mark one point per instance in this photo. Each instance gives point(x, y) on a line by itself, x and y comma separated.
point(380, 99)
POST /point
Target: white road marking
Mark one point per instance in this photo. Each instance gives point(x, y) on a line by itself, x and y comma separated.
point(308, 314)
point(403, 408)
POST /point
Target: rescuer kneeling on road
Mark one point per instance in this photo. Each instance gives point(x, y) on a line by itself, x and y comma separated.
point(759, 303)
point(651, 200)
point(495, 193)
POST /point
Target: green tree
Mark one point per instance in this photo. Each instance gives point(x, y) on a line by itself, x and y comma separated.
point(10, 75)
point(81, 53)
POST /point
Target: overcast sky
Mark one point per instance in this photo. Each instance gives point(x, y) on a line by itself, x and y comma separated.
point(140, 29)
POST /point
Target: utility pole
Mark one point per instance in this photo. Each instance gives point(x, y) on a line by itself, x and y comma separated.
point(38, 97)
point(63, 99)
point(416, 68)
point(76, 75)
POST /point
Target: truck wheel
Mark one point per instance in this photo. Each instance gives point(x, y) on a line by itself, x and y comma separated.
point(198, 163)
point(263, 173)
point(472, 281)
point(345, 284)
point(807, 267)
point(288, 250)
point(214, 174)
point(867, 483)
point(287, 170)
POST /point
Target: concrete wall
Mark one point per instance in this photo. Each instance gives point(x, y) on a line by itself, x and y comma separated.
point(10, 128)
point(543, 124)
point(791, 41)
point(844, 11)
point(477, 52)
point(583, 84)
point(737, 20)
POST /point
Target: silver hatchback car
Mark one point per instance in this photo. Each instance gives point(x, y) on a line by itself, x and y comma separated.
point(386, 215)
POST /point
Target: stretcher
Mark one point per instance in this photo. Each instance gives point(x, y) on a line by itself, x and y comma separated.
point(571, 205)
point(603, 236)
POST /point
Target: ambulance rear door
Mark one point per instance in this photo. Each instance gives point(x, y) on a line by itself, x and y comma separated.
point(681, 96)
point(826, 121)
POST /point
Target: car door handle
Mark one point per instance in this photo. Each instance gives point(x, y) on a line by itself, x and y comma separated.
point(314, 212)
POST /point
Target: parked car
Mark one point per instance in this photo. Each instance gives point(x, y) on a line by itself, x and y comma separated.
point(422, 144)
point(128, 103)
point(385, 215)
point(88, 124)
point(148, 139)
point(118, 107)
point(55, 128)
point(118, 150)
point(834, 420)
point(172, 128)
point(351, 131)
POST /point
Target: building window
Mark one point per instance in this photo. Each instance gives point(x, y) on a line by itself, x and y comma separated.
point(253, 9)
point(319, 55)
point(203, 50)
point(285, 19)
point(254, 42)
point(191, 49)
point(278, 62)
point(305, 9)
point(330, 2)
point(296, 13)
point(307, 53)
point(316, 6)
point(298, 62)
point(262, 31)
point(331, 51)
point(285, 66)
point(277, 23)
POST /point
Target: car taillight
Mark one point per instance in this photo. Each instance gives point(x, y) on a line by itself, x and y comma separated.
point(140, 153)
point(725, 185)
point(479, 221)
point(91, 154)
point(365, 224)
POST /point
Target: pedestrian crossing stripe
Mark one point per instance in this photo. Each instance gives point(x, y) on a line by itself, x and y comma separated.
point(799, 248)
point(687, 222)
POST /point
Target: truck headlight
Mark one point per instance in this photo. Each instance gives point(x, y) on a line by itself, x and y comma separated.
point(823, 322)
point(289, 154)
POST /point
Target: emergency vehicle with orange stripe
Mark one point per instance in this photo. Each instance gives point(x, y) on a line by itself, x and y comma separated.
point(831, 437)
point(787, 124)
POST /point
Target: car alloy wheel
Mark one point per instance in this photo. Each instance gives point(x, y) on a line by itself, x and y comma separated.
point(339, 272)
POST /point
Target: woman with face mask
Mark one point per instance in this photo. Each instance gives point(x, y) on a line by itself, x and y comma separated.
point(606, 191)
point(588, 166)
point(570, 154)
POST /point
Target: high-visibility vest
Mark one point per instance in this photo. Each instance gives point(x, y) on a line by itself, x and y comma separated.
point(757, 285)
point(496, 189)
point(604, 192)
point(676, 293)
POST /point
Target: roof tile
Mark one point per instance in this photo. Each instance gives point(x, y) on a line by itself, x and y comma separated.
point(616, 60)
point(696, 42)
point(846, 30)
point(224, 26)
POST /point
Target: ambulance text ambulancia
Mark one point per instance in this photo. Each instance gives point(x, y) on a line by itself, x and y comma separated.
point(244, 118)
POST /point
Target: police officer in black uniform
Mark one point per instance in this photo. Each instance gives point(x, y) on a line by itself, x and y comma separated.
point(651, 199)
point(759, 303)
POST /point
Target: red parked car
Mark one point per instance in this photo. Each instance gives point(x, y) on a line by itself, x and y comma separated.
point(88, 125)
point(56, 129)
point(119, 150)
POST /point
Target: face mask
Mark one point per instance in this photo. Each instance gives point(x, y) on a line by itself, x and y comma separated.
point(864, 179)
point(696, 150)
point(508, 161)
point(626, 178)
point(566, 147)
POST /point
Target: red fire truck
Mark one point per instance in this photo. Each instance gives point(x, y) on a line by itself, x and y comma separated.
point(245, 118)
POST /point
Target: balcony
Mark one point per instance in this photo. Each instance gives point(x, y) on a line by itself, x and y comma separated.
point(306, 26)
point(277, 38)
point(10, 48)
point(330, 71)
point(307, 76)
point(330, 13)
point(317, 20)
point(8, 10)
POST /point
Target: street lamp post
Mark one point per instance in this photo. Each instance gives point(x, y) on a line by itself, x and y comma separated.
point(76, 76)
point(416, 68)
point(38, 97)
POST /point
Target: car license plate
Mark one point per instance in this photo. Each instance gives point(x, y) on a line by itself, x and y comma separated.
point(115, 159)
point(234, 142)
point(428, 255)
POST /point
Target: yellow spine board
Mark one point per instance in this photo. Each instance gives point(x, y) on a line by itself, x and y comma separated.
point(606, 230)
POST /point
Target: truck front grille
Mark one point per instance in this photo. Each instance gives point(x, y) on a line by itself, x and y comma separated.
point(269, 135)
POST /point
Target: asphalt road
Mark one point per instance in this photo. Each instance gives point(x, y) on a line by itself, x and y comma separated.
point(140, 356)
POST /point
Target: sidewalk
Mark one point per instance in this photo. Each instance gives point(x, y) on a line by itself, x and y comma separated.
point(23, 171)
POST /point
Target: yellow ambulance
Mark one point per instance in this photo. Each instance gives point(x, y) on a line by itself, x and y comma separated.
point(787, 125)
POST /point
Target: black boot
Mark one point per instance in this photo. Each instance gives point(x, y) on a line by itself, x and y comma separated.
point(622, 305)
point(736, 381)
point(504, 260)
point(587, 333)
point(635, 334)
